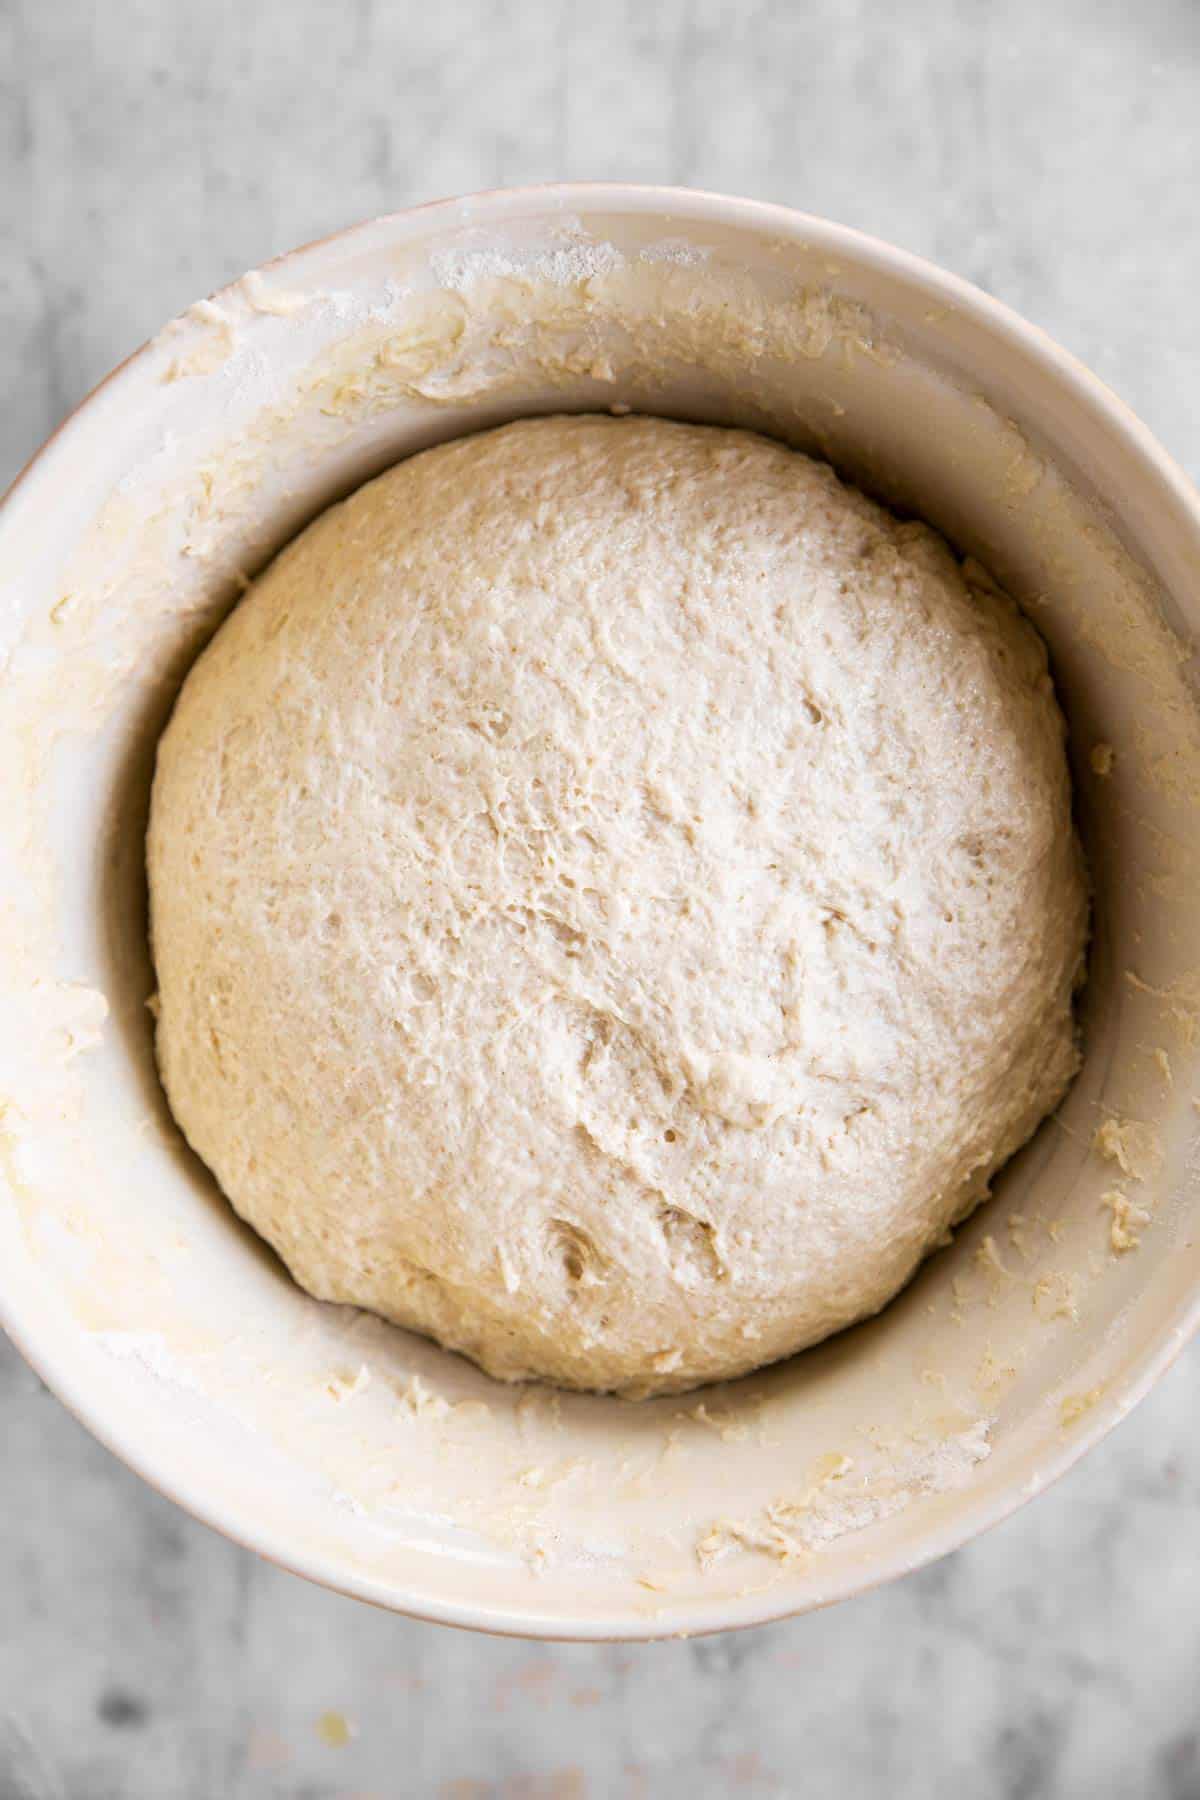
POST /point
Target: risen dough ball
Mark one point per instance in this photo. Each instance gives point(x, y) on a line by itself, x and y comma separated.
point(615, 900)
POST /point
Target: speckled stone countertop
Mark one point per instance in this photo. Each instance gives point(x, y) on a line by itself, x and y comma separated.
point(150, 151)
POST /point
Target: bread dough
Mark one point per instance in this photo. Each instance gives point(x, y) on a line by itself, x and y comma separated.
point(615, 900)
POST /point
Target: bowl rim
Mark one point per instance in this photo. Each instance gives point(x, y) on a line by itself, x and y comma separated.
point(84, 1398)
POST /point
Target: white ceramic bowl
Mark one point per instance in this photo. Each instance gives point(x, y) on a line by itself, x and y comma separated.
point(356, 1454)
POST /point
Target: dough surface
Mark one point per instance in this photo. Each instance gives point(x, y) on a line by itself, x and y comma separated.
point(615, 900)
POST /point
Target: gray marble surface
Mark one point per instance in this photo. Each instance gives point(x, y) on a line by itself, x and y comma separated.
point(149, 151)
